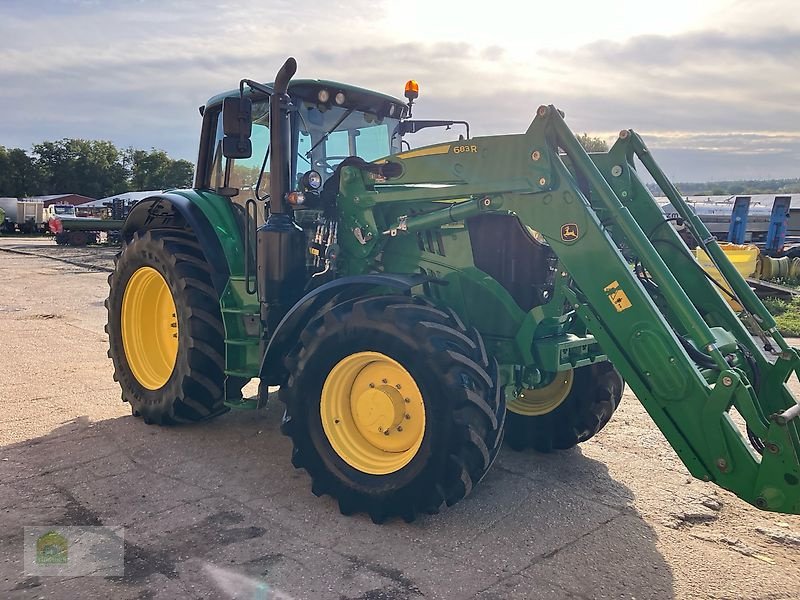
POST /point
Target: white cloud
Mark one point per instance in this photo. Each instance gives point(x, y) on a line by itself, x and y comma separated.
point(682, 73)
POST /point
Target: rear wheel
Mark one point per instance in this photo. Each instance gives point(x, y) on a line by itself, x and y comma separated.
point(393, 407)
point(165, 330)
point(574, 407)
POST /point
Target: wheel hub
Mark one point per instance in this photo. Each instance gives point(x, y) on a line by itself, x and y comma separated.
point(378, 409)
point(540, 401)
point(373, 413)
point(149, 328)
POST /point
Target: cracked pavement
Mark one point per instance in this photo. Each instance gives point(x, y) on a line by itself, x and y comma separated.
point(215, 510)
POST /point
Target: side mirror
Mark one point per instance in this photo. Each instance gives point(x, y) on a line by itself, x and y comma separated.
point(237, 116)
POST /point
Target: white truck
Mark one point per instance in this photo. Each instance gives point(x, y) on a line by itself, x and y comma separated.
point(62, 211)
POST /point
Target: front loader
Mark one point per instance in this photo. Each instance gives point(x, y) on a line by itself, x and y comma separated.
point(417, 305)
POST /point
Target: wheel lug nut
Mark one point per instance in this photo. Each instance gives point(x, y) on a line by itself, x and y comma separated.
point(372, 385)
point(385, 381)
point(380, 428)
point(397, 386)
point(399, 428)
point(407, 416)
point(386, 432)
point(407, 400)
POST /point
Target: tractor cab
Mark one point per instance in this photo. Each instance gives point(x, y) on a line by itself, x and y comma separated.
point(328, 122)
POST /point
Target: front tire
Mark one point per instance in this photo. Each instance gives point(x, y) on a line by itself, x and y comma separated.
point(393, 407)
point(165, 331)
point(573, 408)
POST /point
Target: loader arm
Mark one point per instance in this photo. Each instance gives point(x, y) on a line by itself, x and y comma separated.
point(686, 355)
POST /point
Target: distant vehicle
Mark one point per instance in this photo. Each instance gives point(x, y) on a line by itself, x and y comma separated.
point(62, 211)
point(25, 216)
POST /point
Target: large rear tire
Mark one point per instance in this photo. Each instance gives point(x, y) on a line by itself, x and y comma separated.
point(165, 330)
point(393, 407)
point(572, 409)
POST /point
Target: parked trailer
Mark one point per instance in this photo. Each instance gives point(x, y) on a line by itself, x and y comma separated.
point(25, 216)
point(716, 216)
point(30, 216)
point(80, 231)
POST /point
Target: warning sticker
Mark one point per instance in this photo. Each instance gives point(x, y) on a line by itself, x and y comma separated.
point(620, 300)
point(617, 296)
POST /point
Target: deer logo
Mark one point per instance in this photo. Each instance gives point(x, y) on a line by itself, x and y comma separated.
point(569, 232)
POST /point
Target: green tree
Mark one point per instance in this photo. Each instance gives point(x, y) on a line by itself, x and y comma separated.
point(88, 167)
point(155, 170)
point(593, 144)
point(19, 174)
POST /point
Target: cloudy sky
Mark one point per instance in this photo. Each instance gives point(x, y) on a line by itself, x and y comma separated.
point(712, 85)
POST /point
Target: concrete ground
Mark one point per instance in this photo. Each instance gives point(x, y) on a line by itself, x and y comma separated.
point(217, 511)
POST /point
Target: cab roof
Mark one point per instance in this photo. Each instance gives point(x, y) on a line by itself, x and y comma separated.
point(333, 86)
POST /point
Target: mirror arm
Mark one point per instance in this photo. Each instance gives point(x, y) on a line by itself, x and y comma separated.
point(254, 85)
point(405, 127)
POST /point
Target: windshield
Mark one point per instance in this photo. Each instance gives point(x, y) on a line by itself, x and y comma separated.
point(362, 134)
point(64, 210)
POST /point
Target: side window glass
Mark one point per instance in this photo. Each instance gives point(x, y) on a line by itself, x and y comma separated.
point(244, 171)
point(244, 174)
point(337, 144)
point(372, 142)
point(303, 148)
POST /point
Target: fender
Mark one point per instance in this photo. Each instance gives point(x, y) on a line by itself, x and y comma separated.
point(195, 210)
point(272, 370)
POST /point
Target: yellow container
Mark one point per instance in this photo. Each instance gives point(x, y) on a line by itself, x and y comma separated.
point(743, 256)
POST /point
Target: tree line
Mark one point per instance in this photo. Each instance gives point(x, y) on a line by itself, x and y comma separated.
point(94, 168)
point(736, 188)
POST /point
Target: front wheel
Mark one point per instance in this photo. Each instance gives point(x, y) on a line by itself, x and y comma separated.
point(571, 409)
point(393, 407)
point(165, 330)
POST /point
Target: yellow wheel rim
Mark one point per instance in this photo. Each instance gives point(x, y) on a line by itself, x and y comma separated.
point(149, 328)
point(538, 402)
point(372, 413)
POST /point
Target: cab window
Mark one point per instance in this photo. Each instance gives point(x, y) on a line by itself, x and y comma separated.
point(327, 137)
point(245, 171)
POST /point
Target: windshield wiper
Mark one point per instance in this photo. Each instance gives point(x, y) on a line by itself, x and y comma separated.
point(330, 131)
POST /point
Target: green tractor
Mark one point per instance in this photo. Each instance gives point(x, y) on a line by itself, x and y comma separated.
point(417, 305)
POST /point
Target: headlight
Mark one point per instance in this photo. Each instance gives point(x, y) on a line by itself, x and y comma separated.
point(312, 180)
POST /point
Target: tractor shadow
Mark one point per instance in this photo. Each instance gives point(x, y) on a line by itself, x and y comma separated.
point(213, 508)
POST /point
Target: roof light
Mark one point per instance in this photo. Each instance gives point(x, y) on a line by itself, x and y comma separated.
point(412, 89)
point(339, 98)
point(323, 95)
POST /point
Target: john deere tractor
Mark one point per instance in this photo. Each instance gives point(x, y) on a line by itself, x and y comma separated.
point(416, 304)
